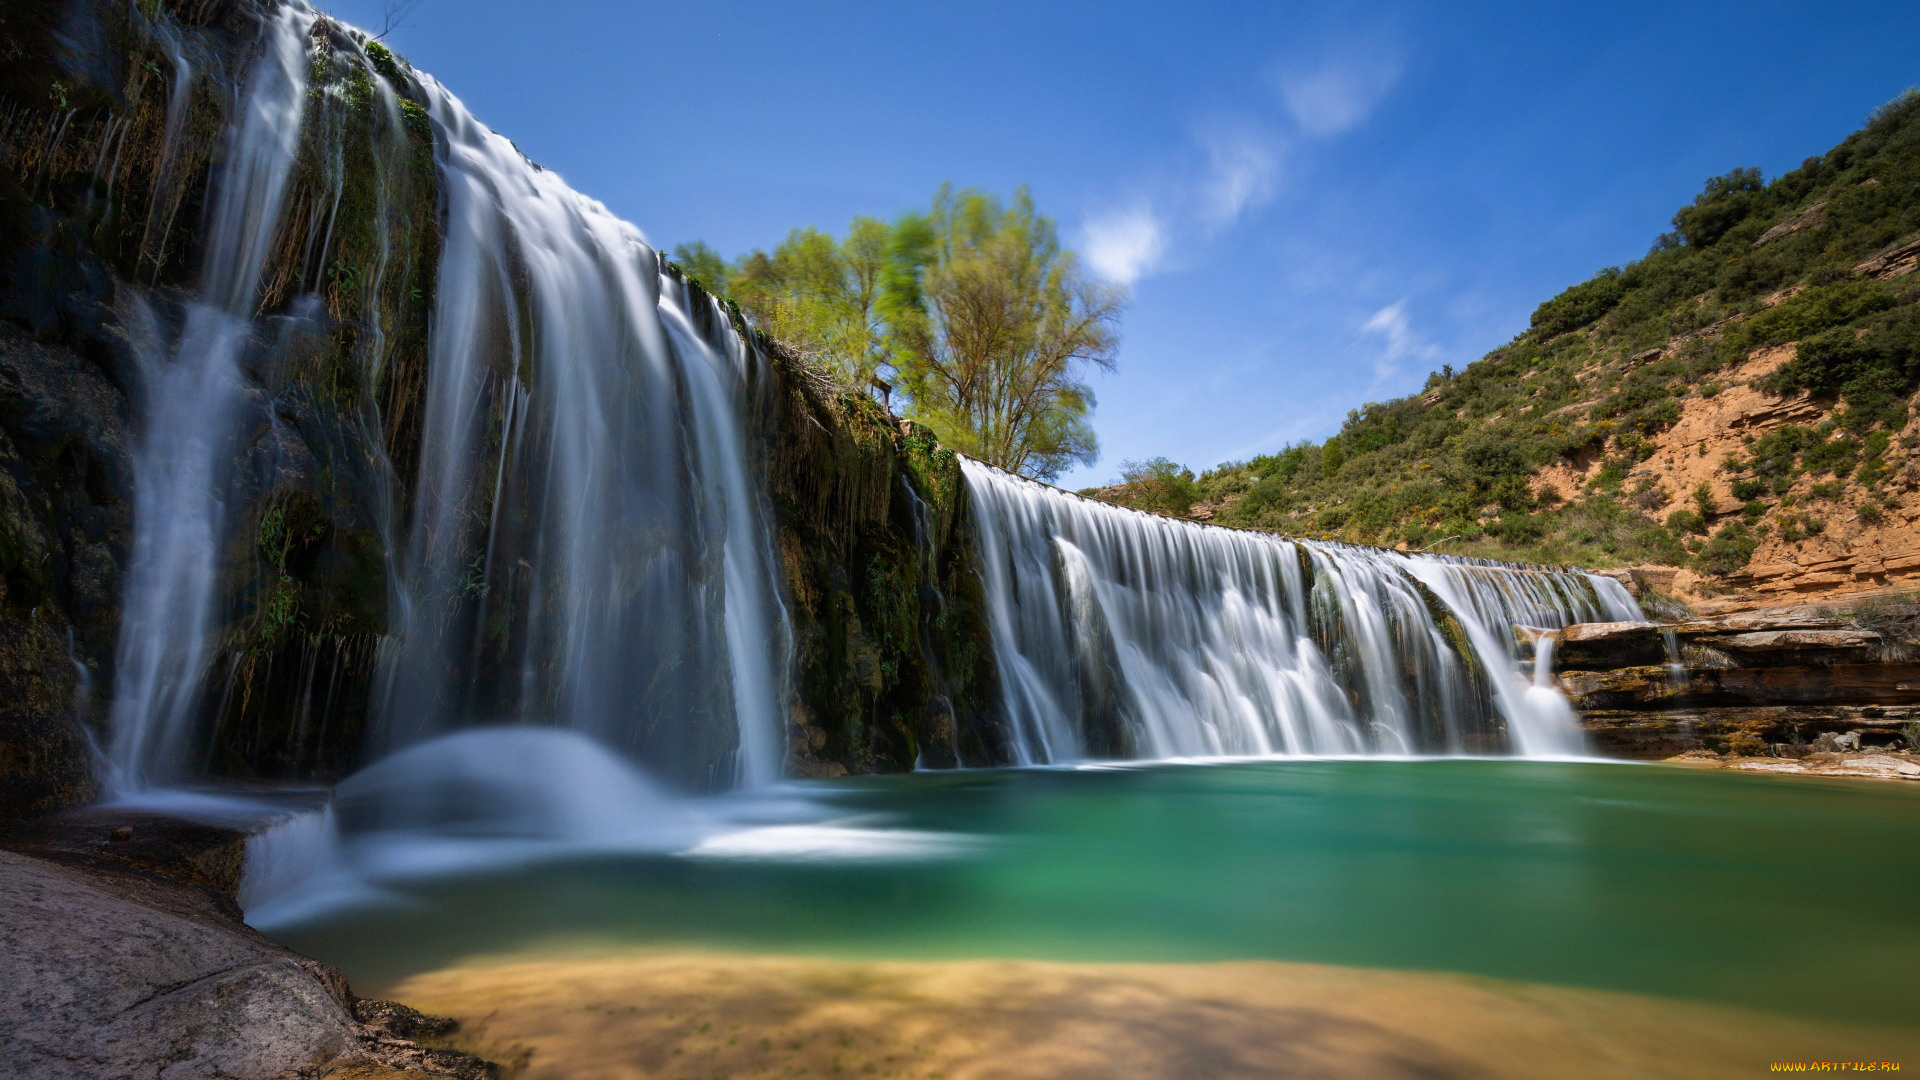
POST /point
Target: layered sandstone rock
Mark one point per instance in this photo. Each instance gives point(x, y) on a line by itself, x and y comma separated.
point(1742, 682)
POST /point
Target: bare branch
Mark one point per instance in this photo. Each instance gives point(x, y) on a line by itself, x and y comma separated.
point(394, 15)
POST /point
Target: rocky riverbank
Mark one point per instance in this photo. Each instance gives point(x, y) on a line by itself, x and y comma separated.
point(125, 955)
point(1893, 765)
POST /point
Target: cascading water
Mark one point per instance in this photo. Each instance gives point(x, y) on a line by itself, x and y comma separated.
point(587, 546)
point(583, 546)
point(584, 543)
point(1123, 634)
point(188, 407)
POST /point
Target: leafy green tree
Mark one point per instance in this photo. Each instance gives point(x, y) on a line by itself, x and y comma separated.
point(820, 296)
point(704, 265)
point(974, 310)
point(992, 326)
point(1159, 485)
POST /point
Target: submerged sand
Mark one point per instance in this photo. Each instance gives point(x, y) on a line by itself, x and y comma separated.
point(700, 1016)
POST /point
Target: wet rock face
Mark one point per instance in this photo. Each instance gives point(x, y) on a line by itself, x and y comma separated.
point(117, 119)
point(65, 516)
point(134, 978)
point(893, 665)
point(133, 842)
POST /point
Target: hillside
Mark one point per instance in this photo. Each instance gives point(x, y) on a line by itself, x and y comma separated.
point(1738, 405)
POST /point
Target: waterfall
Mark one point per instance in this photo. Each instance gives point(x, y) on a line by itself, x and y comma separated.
point(583, 543)
point(1124, 634)
point(588, 547)
point(189, 402)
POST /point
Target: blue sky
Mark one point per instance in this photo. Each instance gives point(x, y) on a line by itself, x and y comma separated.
point(1314, 204)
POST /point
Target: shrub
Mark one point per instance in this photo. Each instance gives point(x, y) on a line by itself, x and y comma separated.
point(1895, 618)
point(1703, 501)
point(1160, 486)
point(1810, 312)
point(1580, 305)
point(1726, 201)
point(1728, 551)
point(1872, 367)
point(1832, 456)
point(1686, 521)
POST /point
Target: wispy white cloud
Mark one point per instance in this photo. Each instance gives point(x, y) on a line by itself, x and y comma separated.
point(1124, 244)
point(1235, 170)
point(1337, 92)
point(1234, 167)
point(1397, 343)
point(1242, 169)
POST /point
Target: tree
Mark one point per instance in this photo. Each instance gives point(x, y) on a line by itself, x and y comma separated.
point(393, 14)
point(1159, 485)
point(974, 310)
point(992, 325)
point(704, 265)
point(821, 296)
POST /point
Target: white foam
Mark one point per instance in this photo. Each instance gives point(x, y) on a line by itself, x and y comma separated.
point(831, 842)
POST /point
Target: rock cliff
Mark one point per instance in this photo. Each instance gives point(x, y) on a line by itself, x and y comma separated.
point(1759, 682)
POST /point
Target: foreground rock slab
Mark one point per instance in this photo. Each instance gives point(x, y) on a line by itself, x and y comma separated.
point(113, 973)
point(104, 976)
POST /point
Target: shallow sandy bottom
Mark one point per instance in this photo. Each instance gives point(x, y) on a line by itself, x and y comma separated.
point(700, 1016)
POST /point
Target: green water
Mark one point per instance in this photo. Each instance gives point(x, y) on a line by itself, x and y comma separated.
point(1791, 895)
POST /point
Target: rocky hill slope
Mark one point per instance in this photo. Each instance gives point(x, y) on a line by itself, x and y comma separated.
point(1737, 406)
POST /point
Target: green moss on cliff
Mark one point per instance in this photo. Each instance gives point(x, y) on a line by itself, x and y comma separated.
point(877, 548)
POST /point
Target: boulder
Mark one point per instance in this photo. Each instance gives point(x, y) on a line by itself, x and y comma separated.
point(108, 975)
point(119, 967)
point(1639, 580)
point(1609, 645)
